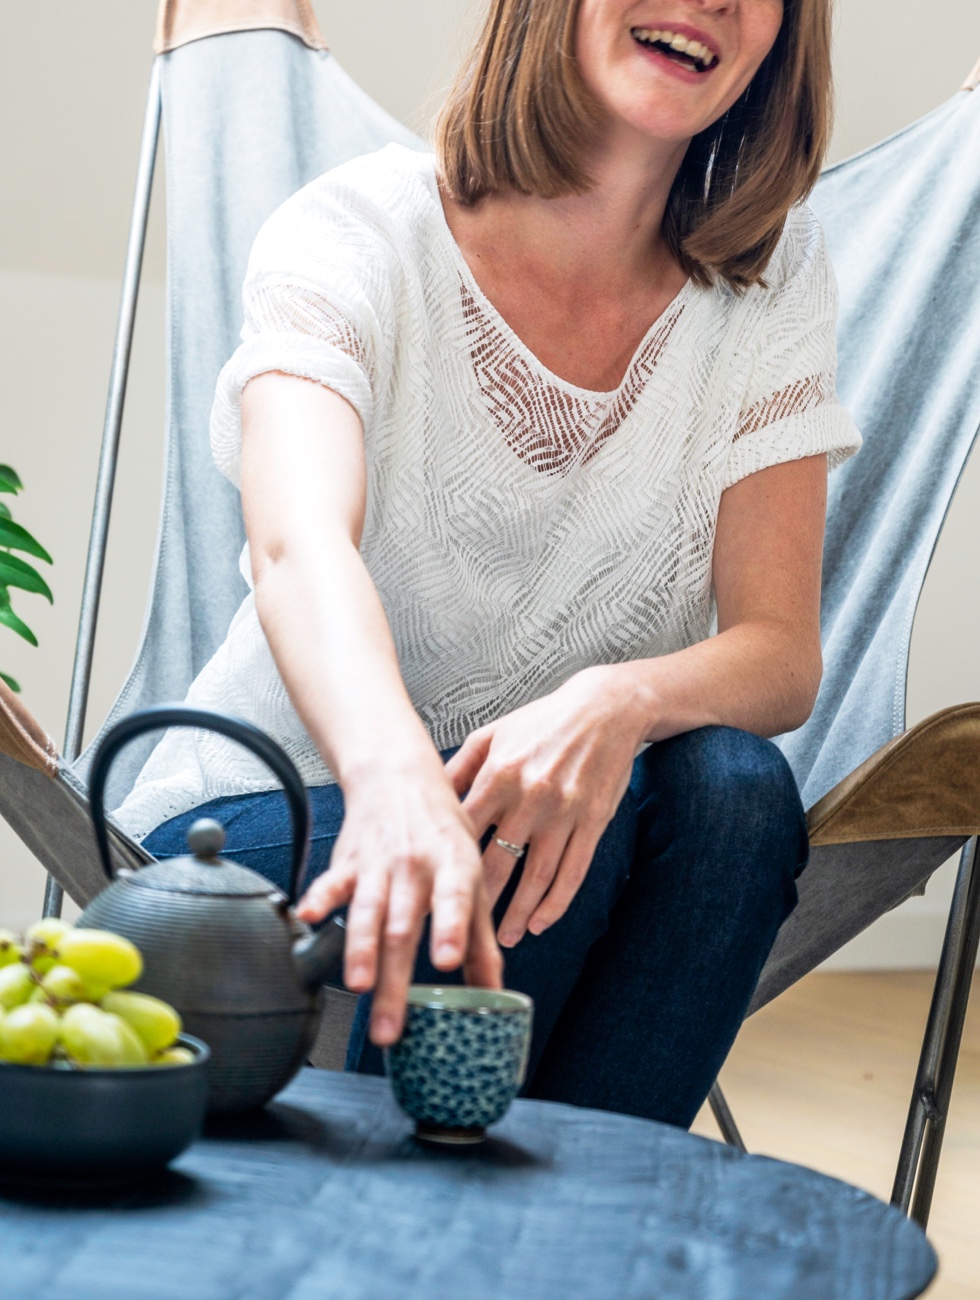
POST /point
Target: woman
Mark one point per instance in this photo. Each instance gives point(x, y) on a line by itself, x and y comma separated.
point(504, 422)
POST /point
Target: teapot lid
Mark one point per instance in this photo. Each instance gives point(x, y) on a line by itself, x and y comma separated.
point(205, 872)
point(215, 876)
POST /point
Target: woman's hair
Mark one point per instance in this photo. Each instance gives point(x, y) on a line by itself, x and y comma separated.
point(520, 116)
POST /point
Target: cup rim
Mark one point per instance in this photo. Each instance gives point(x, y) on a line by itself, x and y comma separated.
point(467, 998)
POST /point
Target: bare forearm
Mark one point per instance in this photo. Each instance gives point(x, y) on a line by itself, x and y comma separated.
point(329, 636)
point(755, 676)
point(303, 494)
point(761, 673)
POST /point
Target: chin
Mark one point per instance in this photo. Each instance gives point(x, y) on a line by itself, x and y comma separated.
point(663, 121)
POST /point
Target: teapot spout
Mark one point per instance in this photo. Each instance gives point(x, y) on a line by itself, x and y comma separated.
point(319, 958)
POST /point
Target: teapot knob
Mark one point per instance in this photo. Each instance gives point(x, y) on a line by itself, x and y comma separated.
point(206, 838)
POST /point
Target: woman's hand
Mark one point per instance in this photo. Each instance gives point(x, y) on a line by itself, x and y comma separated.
point(406, 849)
point(550, 775)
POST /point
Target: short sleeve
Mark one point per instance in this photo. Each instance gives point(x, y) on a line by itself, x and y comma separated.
point(790, 408)
point(318, 303)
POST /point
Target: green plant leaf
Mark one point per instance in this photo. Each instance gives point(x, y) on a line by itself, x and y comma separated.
point(11, 682)
point(15, 572)
point(5, 511)
point(19, 539)
point(9, 479)
point(9, 619)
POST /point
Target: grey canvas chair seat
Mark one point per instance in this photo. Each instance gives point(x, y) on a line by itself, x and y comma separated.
point(253, 107)
point(877, 837)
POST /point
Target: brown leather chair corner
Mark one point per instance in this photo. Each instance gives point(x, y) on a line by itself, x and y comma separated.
point(22, 737)
point(181, 21)
point(922, 784)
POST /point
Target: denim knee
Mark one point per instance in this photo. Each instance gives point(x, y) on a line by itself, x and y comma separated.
point(723, 786)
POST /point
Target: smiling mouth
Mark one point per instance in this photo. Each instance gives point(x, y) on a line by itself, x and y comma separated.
point(677, 48)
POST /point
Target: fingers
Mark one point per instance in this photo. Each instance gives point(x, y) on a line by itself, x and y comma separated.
point(490, 795)
point(499, 864)
point(484, 962)
point(328, 892)
point(544, 861)
point(365, 919)
point(452, 914)
point(572, 870)
point(407, 907)
point(467, 761)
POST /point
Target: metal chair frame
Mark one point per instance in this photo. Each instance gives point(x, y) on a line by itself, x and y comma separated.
point(925, 1127)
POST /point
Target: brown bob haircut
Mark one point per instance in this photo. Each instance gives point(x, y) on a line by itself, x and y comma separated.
point(521, 117)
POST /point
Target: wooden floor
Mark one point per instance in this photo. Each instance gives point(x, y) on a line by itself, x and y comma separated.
point(823, 1076)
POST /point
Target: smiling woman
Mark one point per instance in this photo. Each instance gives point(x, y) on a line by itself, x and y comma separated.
point(526, 113)
point(510, 423)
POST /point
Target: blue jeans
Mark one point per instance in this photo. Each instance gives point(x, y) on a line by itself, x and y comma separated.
point(640, 988)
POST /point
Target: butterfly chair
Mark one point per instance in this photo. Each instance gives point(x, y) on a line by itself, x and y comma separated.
point(253, 107)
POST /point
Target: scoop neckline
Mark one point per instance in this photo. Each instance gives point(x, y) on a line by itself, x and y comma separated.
point(470, 283)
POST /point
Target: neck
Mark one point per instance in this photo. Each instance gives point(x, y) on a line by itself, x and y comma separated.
point(609, 236)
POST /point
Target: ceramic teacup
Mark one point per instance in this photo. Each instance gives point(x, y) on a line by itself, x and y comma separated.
point(461, 1059)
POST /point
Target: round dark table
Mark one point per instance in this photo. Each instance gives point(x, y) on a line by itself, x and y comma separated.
point(327, 1196)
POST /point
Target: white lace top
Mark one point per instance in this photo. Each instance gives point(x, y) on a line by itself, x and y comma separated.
point(518, 528)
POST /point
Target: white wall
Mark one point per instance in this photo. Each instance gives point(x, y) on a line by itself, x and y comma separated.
point(72, 82)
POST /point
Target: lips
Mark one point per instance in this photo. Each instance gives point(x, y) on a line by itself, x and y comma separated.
point(687, 52)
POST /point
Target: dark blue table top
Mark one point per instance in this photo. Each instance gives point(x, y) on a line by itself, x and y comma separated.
point(327, 1196)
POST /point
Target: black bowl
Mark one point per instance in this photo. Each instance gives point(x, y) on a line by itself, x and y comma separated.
point(99, 1125)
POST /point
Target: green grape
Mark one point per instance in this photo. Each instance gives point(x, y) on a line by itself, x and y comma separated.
point(156, 1022)
point(10, 949)
point(47, 931)
point(174, 1056)
point(93, 1037)
point(62, 984)
point(133, 1049)
point(41, 940)
point(104, 960)
point(88, 1037)
point(16, 985)
point(29, 1033)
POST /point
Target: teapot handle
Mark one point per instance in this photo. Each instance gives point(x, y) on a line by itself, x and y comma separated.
point(179, 715)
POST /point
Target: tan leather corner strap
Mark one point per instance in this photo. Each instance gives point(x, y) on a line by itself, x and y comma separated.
point(181, 21)
point(973, 80)
point(925, 782)
point(22, 737)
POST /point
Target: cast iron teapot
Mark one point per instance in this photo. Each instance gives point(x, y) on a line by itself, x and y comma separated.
point(219, 942)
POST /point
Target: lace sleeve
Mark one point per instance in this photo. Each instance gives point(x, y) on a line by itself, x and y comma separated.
point(790, 409)
point(318, 304)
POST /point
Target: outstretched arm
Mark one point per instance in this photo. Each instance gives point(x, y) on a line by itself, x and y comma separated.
point(406, 846)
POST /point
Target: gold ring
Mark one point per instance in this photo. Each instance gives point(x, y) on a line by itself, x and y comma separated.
point(515, 850)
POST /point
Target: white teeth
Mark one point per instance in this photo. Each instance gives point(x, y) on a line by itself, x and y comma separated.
point(663, 36)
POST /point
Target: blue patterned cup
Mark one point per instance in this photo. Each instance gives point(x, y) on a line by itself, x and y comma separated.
point(461, 1059)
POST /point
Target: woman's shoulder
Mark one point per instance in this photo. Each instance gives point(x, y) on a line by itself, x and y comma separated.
point(800, 256)
point(375, 200)
point(798, 276)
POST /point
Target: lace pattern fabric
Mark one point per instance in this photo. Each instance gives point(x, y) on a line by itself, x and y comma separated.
point(518, 528)
point(548, 426)
point(799, 396)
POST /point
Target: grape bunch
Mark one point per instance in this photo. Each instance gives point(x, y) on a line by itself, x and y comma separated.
point(63, 1001)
